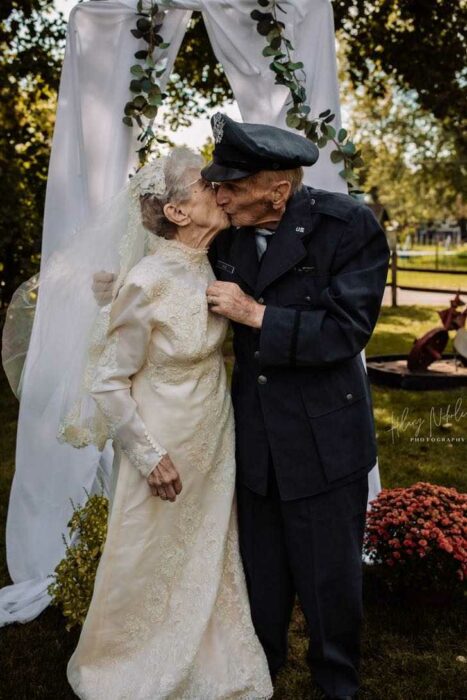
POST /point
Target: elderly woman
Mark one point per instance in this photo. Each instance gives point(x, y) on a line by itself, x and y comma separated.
point(169, 617)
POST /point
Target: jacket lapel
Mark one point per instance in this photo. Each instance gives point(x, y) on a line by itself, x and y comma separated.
point(286, 248)
point(244, 257)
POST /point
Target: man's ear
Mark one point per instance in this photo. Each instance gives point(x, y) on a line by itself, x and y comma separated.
point(281, 194)
point(176, 214)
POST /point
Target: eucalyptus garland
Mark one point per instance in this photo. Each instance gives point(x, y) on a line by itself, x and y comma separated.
point(318, 129)
point(145, 84)
point(148, 95)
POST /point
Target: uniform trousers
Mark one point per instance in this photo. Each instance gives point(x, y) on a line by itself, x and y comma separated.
point(309, 547)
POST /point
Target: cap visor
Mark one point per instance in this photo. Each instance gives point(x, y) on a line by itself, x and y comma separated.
point(220, 173)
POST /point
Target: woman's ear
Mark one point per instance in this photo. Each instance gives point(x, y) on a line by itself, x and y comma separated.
point(281, 194)
point(176, 214)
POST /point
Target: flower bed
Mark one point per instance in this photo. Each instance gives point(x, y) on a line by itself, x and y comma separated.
point(417, 537)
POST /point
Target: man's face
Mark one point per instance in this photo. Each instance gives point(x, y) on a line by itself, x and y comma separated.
point(247, 202)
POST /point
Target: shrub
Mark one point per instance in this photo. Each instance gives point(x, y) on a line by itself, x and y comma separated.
point(418, 537)
point(74, 576)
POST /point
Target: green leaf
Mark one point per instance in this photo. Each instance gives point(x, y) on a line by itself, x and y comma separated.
point(135, 86)
point(330, 131)
point(146, 85)
point(155, 100)
point(305, 109)
point(127, 121)
point(326, 113)
point(292, 120)
point(275, 65)
point(263, 3)
point(295, 66)
point(322, 142)
point(137, 70)
point(311, 131)
point(150, 111)
point(329, 119)
point(348, 175)
point(136, 33)
point(349, 148)
point(265, 28)
point(141, 54)
point(139, 102)
point(269, 51)
point(129, 109)
point(143, 24)
point(274, 34)
point(260, 16)
point(276, 42)
point(342, 135)
point(164, 45)
point(336, 156)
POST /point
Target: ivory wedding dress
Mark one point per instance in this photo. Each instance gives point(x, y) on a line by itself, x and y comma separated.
point(169, 617)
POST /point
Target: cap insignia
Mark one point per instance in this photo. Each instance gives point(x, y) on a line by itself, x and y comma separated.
point(218, 127)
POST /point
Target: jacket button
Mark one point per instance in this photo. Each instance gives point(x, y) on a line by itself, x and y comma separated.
point(261, 300)
point(349, 397)
point(262, 379)
point(256, 355)
point(313, 202)
point(307, 298)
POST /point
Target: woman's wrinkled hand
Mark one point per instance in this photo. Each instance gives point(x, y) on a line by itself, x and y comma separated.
point(164, 480)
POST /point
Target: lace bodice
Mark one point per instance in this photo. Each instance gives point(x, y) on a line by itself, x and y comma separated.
point(161, 333)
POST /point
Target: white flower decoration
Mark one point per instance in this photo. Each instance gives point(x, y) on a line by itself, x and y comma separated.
point(150, 179)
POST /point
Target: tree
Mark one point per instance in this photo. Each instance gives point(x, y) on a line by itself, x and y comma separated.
point(408, 156)
point(419, 44)
point(397, 39)
point(31, 42)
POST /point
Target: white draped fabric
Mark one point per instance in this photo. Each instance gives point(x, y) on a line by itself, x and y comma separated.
point(92, 155)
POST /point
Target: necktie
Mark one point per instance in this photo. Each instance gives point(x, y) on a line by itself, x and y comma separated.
point(263, 238)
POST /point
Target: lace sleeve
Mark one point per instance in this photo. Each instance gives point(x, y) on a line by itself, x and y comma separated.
point(131, 324)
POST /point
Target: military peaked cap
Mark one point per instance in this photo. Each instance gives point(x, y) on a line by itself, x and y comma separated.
point(243, 149)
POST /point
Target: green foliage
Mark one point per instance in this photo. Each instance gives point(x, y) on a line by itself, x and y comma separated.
point(290, 73)
point(31, 41)
point(420, 45)
point(74, 576)
point(145, 83)
point(409, 156)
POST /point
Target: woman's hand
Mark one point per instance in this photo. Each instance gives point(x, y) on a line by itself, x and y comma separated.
point(164, 480)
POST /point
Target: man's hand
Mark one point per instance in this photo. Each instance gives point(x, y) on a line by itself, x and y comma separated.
point(227, 299)
point(164, 480)
point(102, 287)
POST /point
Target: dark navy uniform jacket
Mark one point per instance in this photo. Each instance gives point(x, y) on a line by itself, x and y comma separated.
point(300, 391)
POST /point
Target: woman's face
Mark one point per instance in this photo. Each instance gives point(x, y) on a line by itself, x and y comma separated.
point(202, 207)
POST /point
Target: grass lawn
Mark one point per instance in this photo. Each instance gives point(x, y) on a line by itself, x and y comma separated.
point(410, 650)
point(455, 258)
point(431, 280)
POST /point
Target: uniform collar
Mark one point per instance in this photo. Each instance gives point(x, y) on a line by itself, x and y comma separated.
point(286, 248)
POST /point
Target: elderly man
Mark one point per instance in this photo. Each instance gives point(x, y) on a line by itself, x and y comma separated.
point(301, 275)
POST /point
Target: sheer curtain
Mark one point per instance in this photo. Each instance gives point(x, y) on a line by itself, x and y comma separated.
point(92, 156)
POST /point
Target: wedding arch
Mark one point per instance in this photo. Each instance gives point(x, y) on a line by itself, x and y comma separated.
point(93, 153)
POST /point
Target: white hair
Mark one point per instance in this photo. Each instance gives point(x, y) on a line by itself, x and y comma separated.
point(179, 163)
